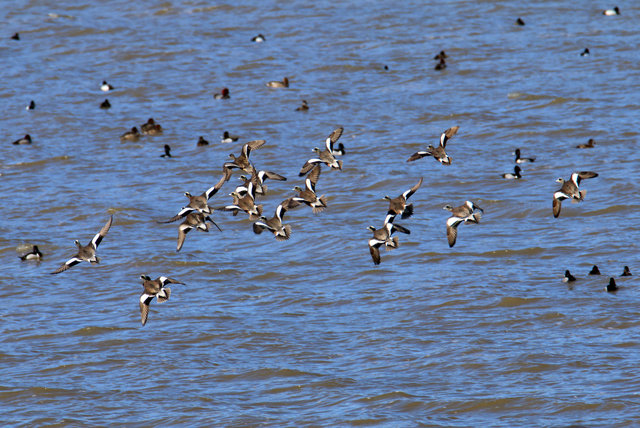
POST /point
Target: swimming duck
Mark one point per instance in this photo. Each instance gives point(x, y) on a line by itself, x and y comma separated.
point(167, 151)
point(521, 159)
point(626, 271)
point(15, 36)
point(202, 142)
point(519, 21)
point(568, 277)
point(515, 175)
point(438, 152)
point(151, 127)
point(258, 39)
point(87, 253)
point(279, 84)
point(132, 135)
point(222, 95)
point(34, 254)
point(228, 138)
point(611, 12)
point(441, 65)
point(303, 107)
point(105, 87)
point(588, 145)
point(612, 286)
point(24, 140)
point(154, 288)
point(594, 270)
point(399, 206)
point(105, 104)
point(570, 190)
point(585, 52)
point(31, 106)
point(441, 55)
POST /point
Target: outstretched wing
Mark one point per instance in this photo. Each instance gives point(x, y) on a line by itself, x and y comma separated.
point(419, 155)
point(312, 178)
point(164, 280)
point(374, 250)
point(333, 137)
point(183, 229)
point(557, 205)
point(71, 262)
point(252, 145)
point(103, 232)
point(452, 230)
point(448, 134)
point(145, 300)
point(411, 191)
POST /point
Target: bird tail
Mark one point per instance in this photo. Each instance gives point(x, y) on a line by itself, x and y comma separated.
point(408, 211)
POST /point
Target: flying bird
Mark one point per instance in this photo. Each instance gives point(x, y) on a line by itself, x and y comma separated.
point(154, 288)
point(570, 190)
point(327, 155)
point(437, 152)
point(87, 253)
point(308, 195)
point(193, 220)
point(466, 213)
point(274, 224)
point(383, 236)
point(399, 206)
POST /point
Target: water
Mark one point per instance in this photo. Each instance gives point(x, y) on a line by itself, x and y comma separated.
point(309, 331)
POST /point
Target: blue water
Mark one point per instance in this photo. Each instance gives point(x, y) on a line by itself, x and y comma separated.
point(309, 332)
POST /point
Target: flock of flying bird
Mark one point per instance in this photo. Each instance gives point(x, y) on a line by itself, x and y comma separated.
point(197, 213)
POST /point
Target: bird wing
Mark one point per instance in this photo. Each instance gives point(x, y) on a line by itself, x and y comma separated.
point(374, 250)
point(272, 176)
point(390, 217)
point(585, 174)
point(419, 155)
point(312, 178)
point(557, 204)
point(411, 191)
point(399, 228)
point(259, 226)
point(333, 137)
point(71, 262)
point(213, 222)
point(252, 145)
point(308, 166)
point(448, 134)
point(103, 232)
point(145, 300)
point(211, 191)
point(183, 229)
point(452, 230)
point(166, 280)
